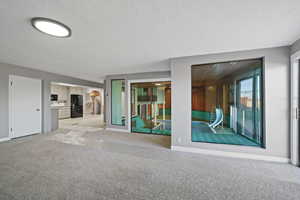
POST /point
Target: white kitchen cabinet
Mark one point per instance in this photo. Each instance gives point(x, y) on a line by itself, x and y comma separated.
point(64, 112)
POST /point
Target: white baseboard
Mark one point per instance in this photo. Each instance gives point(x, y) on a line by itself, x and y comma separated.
point(4, 139)
point(116, 129)
point(296, 163)
point(231, 154)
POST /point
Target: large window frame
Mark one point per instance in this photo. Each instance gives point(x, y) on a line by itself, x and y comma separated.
point(129, 95)
point(262, 97)
point(131, 100)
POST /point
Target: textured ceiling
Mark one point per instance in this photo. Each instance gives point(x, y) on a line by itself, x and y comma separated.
point(216, 71)
point(128, 36)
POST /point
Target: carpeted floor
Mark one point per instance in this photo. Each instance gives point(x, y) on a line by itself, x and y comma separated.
point(91, 163)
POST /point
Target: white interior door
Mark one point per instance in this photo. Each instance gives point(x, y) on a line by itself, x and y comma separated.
point(25, 106)
point(294, 109)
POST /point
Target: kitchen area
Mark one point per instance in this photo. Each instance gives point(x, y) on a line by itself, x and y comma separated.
point(75, 105)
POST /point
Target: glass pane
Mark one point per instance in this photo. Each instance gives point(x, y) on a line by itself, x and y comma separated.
point(151, 108)
point(118, 102)
point(226, 103)
point(245, 111)
point(162, 115)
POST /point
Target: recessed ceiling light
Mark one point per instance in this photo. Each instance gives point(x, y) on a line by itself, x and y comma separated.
point(158, 84)
point(51, 27)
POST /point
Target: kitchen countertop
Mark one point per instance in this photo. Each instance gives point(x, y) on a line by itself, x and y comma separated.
point(59, 106)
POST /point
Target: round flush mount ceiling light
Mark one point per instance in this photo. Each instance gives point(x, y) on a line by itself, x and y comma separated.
point(51, 27)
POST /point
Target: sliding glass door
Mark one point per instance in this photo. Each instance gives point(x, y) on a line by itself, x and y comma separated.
point(151, 108)
point(245, 108)
point(118, 102)
point(249, 107)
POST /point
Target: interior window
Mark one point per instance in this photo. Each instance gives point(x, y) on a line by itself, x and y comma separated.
point(151, 108)
point(227, 103)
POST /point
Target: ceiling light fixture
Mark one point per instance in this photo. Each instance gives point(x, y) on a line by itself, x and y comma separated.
point(51, 27)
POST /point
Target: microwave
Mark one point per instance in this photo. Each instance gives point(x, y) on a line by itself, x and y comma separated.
point(54, 97)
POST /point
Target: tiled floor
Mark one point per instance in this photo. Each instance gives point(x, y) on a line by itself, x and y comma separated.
point(88, 120)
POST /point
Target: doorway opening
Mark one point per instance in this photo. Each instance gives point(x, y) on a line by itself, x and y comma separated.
point(78, 106)
point(150, 104)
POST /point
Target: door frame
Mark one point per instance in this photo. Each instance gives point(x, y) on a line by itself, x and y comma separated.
point(10, 79)
point(238, 104)
point(129, 94)
point(294, 108)
point(254, 104)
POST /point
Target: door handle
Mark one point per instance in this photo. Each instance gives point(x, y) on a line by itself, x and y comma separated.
point(38, 110)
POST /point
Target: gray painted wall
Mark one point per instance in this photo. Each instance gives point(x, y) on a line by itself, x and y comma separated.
point(47, 78)
point(276, 79)
point(295, 47)
point(126, 77)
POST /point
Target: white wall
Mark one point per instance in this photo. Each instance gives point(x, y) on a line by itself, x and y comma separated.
point(276, 85)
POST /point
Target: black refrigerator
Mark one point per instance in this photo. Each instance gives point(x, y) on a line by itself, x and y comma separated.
point(76, 106)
